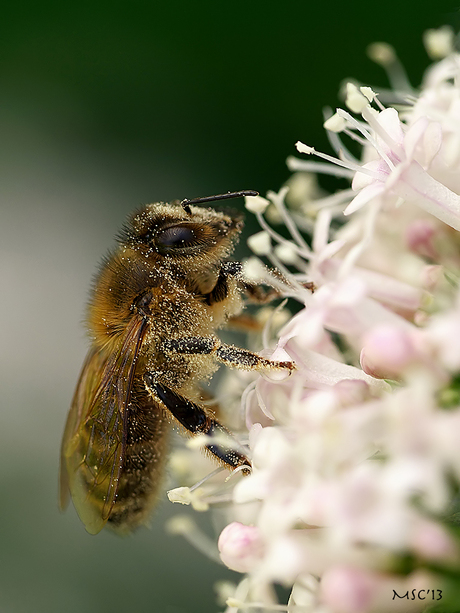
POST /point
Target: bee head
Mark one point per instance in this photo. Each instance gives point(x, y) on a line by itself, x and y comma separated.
point(182, 231)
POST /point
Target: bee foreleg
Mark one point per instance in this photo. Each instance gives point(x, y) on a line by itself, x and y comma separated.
point(254, 292)
point(258, 294)
point(220, 290)
point(197, 421)
point(262, 295)
point(227, 354)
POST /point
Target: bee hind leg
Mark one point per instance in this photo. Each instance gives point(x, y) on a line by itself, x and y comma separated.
point(197, 421)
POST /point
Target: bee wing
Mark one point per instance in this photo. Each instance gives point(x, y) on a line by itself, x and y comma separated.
point(94, 442)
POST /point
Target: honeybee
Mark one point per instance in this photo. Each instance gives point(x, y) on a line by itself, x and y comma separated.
point(155, 307)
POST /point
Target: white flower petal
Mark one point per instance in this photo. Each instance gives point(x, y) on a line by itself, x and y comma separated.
point(365, 195)
point(415, 185)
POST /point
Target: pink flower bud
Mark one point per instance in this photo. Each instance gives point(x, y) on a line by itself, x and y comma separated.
point(241, 547)
point(387, 352)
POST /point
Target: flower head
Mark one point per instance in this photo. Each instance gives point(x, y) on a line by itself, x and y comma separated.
point(355, 456)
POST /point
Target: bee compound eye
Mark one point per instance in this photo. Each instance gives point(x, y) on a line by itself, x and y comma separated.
point(176, 236)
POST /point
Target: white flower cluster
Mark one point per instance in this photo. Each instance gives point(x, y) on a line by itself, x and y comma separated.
point(356, 456)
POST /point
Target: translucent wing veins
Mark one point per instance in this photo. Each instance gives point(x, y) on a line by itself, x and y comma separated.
point(94, 441)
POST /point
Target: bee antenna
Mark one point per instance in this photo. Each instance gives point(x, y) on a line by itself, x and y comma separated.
point(245, 192)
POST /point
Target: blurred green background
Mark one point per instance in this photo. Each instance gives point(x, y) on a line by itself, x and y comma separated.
point(105, 106)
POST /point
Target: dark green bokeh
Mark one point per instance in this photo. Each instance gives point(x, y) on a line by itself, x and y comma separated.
point(219, 92)
point(104, 106)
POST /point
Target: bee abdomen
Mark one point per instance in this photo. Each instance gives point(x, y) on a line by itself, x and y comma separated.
point(145, 453)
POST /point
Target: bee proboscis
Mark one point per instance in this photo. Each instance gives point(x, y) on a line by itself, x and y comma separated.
point(155, 307)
